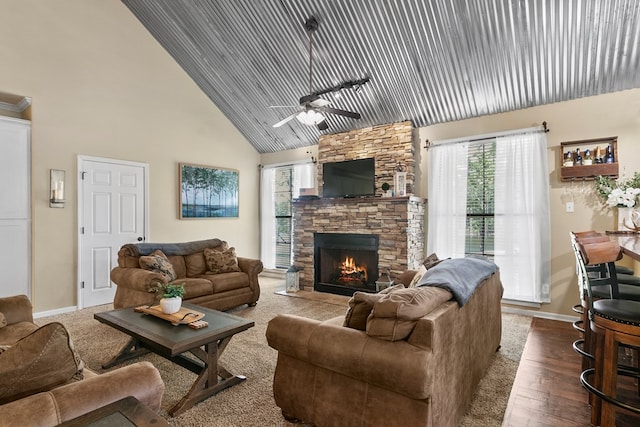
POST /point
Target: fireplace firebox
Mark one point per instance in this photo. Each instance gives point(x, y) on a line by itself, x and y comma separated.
point(345, 263)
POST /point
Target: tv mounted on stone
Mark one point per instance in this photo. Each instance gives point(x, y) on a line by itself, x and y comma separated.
point(350, 178)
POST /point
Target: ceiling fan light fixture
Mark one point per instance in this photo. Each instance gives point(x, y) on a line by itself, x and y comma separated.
point(310, 117)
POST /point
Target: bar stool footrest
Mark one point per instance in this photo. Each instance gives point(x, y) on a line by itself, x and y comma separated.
point(593, 390)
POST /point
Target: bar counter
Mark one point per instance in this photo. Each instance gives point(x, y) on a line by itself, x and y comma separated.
point(630, 245)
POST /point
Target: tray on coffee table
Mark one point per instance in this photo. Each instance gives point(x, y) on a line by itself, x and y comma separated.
point(183, 317)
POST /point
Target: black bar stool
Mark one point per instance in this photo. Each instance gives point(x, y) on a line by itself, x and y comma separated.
point(614, 322)
point(603, 289)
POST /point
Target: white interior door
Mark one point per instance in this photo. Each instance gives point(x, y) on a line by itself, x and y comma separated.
point(113, 212)
point(15, 210)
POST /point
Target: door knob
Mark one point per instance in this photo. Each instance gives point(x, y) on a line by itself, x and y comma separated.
point(140, 239)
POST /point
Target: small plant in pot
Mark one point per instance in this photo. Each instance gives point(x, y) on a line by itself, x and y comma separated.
point(171, 296)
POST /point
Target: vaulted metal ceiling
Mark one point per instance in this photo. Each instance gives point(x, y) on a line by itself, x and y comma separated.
point(429, 61)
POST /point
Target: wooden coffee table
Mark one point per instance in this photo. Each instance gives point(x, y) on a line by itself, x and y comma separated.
point(149, 333)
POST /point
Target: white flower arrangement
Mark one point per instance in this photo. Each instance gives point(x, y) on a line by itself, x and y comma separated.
point(626, 197)
point(621, 193)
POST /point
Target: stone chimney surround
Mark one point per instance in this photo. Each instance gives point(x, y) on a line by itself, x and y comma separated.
point(398, 221)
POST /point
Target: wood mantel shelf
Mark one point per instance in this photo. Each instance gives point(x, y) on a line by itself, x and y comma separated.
point(330, 200)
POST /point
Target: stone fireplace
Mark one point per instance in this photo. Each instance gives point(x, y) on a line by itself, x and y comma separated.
point(398, 223)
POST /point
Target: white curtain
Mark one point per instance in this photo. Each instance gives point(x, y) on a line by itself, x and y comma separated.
point(303, 176)
point(447, 200)
point(521, 203)
point(267, 218)
point(522, 223)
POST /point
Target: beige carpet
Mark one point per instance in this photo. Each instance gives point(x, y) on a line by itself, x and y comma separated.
point(251, 402)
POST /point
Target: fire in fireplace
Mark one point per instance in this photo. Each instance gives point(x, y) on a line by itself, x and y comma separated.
point(345, 262)
point(351, 274)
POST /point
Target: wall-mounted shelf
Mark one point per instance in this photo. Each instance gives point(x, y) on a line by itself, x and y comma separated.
point(589, 172)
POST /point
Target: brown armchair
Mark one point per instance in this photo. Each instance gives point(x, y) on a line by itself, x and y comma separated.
point(51, 406)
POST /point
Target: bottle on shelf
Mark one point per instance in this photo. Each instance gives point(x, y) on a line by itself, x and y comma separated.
point(587, 160)
point(568, 159)
point(578, 159)
point(597, 156)
point(608, 157)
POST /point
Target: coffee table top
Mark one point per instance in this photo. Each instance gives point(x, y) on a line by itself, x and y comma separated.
point(169, 340)
point(127, 412)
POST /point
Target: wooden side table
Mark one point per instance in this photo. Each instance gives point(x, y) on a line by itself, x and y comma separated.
point(127, 412)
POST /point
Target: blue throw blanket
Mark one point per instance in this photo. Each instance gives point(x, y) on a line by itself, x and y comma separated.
point(460, 276)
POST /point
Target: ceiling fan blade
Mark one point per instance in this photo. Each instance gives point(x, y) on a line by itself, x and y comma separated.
point(319, 103)
point(339, 112)
point(285, 120)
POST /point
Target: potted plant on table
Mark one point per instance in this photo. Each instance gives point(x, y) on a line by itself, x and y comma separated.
point(172, 294)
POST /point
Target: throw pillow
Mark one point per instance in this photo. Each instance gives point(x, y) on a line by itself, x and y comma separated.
point(3, 320)
point(421, 271)
point(40, 361)
point(431, 261)
point(394, 315)
point(221, 261)
point(158, 263)
point(360, 306)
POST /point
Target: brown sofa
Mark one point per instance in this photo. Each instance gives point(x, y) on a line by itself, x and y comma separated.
point(328, 374)
point(73, 398)
point(217, 291)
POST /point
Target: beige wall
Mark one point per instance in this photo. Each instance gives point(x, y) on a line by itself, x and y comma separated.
point(102, 86)
point(616, 114)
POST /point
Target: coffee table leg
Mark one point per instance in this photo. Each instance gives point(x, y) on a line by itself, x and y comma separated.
point(213, 378)
point(129, 351)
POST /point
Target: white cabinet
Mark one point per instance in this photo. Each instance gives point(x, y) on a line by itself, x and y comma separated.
point(15, 210)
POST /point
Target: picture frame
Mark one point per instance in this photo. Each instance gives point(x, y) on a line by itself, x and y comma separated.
point(207, 192)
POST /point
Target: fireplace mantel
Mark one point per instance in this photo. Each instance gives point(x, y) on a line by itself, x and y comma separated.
point(399, 221)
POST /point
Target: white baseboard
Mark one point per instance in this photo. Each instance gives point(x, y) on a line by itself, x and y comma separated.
point(54, 312)
point(275, 273)
point(541, 314)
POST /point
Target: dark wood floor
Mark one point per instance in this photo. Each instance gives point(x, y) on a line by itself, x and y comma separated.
point(547, 389)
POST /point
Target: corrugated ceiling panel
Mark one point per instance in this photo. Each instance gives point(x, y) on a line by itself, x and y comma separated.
point(429, 61)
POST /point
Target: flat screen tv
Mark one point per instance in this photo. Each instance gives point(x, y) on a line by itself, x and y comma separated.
point(351, 178)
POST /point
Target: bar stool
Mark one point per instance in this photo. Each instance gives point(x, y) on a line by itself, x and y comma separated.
point(614, 322)
point(625, 274)
point(602, 289)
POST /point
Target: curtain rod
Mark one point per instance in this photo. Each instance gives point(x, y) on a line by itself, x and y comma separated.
point(284, 164)
point(487, 136)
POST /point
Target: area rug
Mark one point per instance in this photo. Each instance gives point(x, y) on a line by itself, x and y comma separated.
point(251, 403)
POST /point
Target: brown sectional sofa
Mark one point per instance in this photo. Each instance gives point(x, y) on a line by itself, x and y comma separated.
point(217, 291)
point(74, 398)
point(331, 375)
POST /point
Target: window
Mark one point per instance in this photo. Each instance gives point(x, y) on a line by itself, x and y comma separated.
point(480, 201)
point(279, 186)
point(283, 190)
point(490, 196)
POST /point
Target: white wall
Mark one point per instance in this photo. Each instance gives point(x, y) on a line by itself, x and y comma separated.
point(102, 86)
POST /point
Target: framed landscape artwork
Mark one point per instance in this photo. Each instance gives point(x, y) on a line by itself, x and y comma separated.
point(207, 192)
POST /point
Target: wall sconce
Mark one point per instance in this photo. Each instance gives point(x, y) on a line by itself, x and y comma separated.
point(56, 192)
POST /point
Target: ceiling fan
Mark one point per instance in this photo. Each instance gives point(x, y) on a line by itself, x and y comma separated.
point(313, 108)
